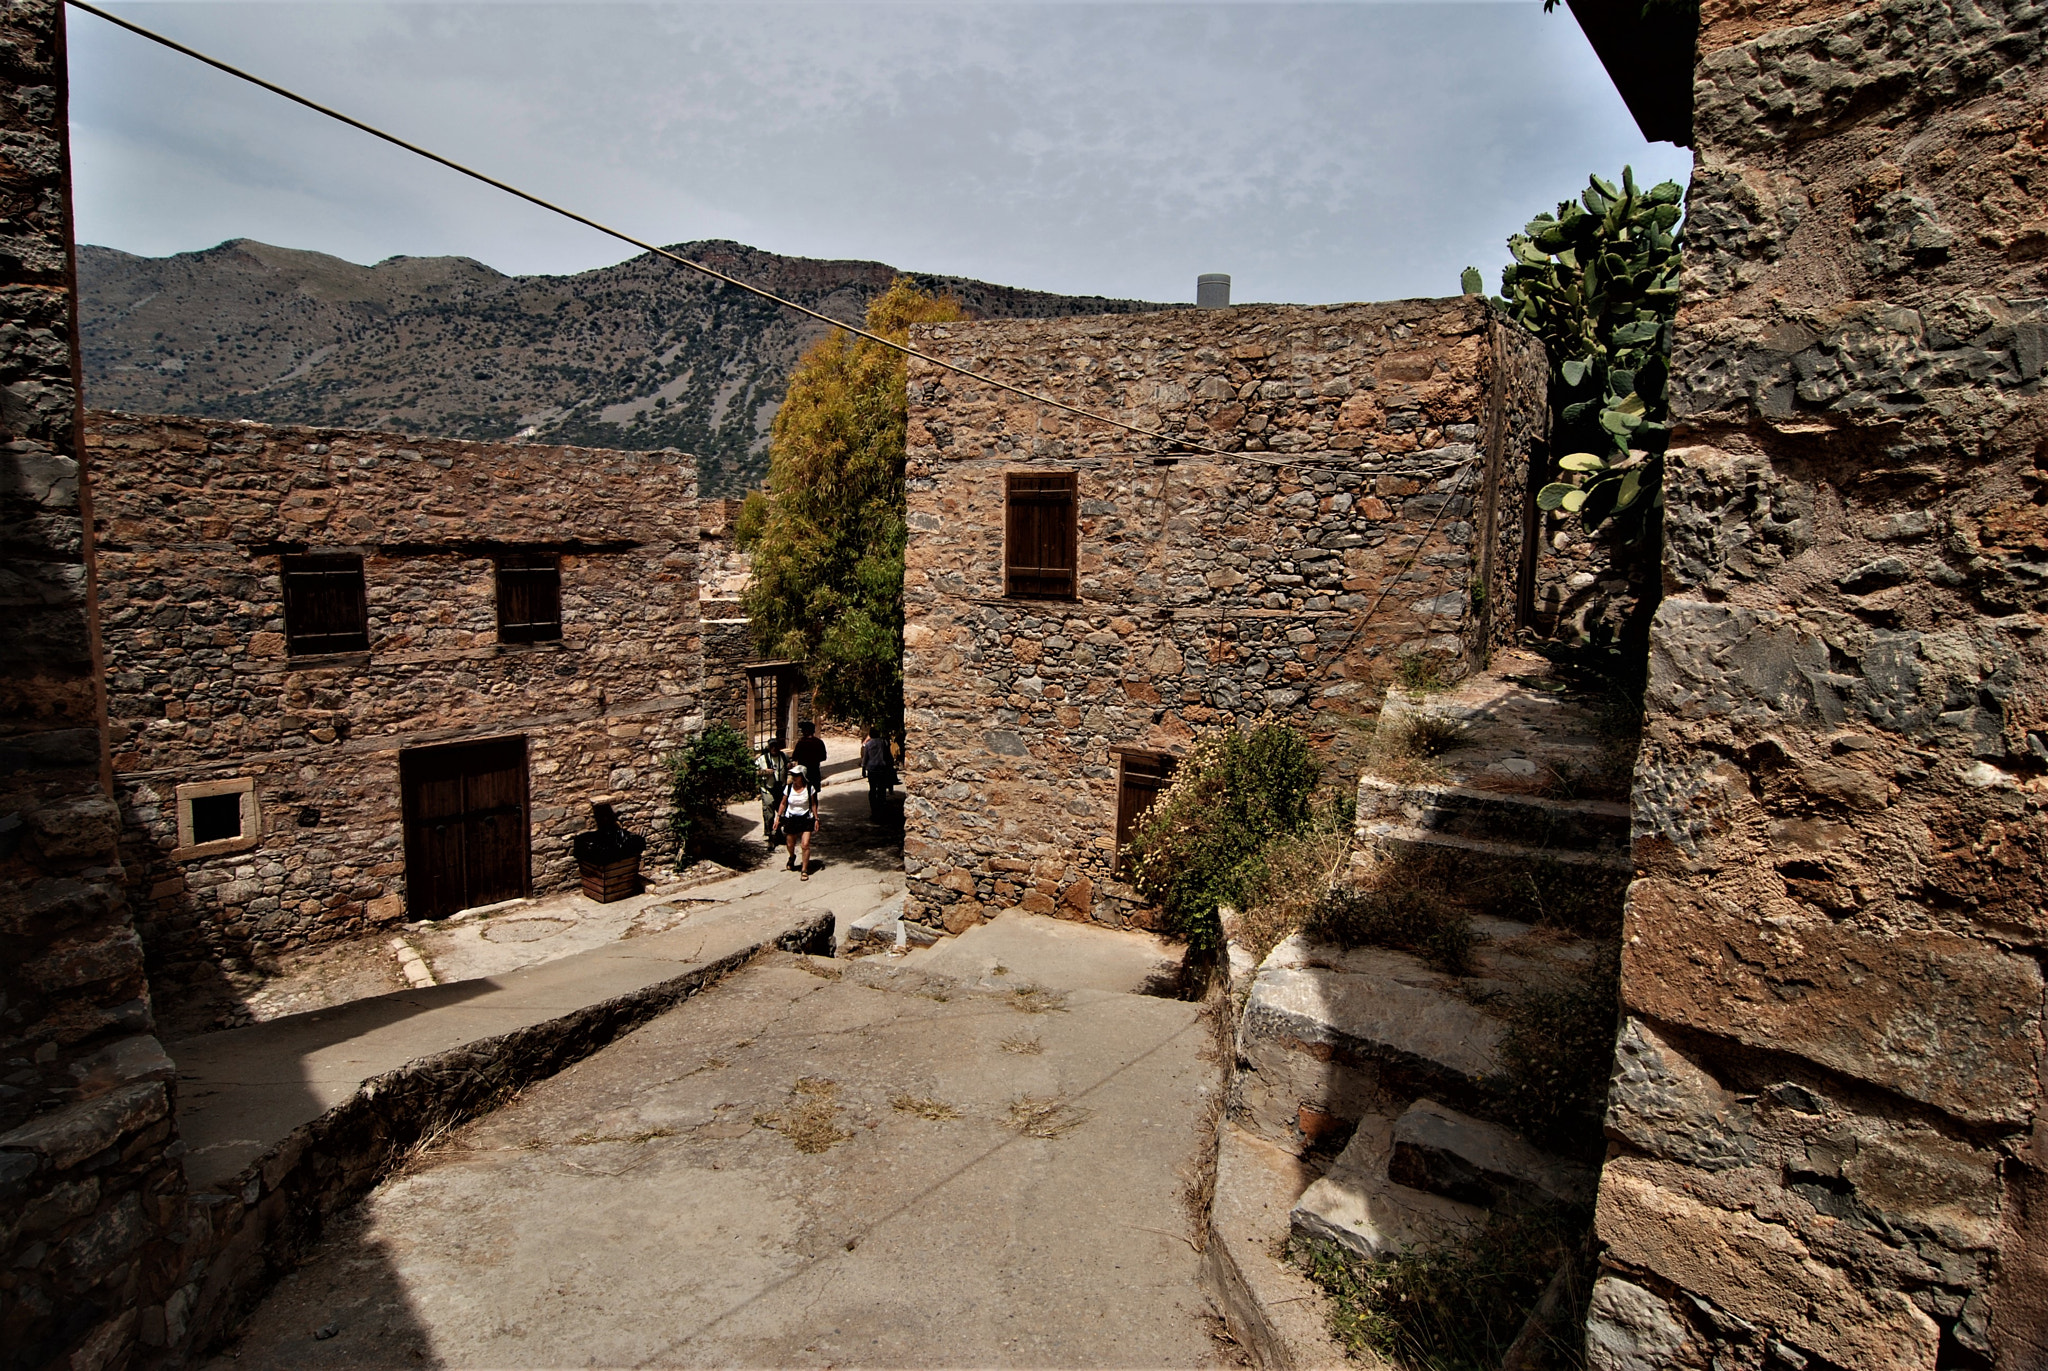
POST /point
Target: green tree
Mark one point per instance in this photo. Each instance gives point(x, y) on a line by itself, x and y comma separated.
point(1598, 283)
point(826, 539)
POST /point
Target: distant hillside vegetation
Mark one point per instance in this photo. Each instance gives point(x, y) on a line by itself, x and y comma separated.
point(644, 354)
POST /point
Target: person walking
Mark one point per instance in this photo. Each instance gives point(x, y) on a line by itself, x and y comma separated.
point(797, 817)
point(774, 775)
point(810, 754)
point(879, 767)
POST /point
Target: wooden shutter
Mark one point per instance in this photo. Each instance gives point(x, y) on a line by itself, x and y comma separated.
point(529, 598)
point(1140, 776)
point(324, 608)
point(1039, 535)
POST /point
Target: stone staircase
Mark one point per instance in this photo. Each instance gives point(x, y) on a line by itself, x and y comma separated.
point(1366, 1074)
point(1507, 764)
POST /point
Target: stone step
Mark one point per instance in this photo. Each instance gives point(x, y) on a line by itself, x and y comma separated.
point(1329, 1035)
point(1395, 839)
point(1358, 1206)
point(1476, 1162)
point(1494, 816)
point(882, 929)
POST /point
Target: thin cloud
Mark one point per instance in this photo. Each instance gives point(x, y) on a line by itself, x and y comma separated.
point(1318, 151)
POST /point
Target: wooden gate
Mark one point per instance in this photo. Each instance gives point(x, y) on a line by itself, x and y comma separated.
point(465, 826)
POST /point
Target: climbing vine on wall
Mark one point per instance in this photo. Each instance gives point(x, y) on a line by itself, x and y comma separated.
point(1598, 283)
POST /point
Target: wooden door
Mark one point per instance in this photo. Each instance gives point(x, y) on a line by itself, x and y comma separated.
point(1140, 776)
point(465, 826)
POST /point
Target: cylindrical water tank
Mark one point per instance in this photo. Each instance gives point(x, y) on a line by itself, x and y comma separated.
point(1212, 290)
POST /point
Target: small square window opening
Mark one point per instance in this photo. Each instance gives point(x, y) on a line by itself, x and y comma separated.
point(216, 817)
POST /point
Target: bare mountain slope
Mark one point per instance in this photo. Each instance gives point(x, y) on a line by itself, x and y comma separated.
point(640, 355)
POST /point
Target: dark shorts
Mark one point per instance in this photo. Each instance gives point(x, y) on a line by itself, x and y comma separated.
point(798, 824)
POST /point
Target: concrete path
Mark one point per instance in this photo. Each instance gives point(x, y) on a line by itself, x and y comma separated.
point(243, 1090)
point(815, 1163)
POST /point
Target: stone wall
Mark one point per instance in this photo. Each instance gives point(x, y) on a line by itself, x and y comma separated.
point(1344, 527)
point(728, 647)
point(92, 1198)
point(193, 517)
point(1826, 1113)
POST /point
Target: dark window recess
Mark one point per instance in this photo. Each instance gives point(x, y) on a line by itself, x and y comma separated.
point(324, 608)
point(216, 818)
point(529, 599)
point(1039, 535)
point(1140, 776)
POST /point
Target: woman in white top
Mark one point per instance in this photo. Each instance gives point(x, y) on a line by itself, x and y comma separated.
point(798, 818)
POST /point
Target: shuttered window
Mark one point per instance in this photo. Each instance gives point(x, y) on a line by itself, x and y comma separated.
point(1140, 776)
point(529, 598)
point(324, 608)
point(1039, 535)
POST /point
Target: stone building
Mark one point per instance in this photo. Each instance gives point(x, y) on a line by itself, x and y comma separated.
point(1826, 1113)
point(1079, 601)
point(356, 677)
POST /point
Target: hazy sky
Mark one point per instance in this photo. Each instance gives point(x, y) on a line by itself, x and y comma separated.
point(1344, 150)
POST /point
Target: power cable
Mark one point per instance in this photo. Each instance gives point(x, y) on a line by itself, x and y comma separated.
point(738, 284)
point(624, 237)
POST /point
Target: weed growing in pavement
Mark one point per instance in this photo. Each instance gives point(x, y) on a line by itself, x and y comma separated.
point(1422, 672)
point(925, 1107)
point(1297, 869)
point(1454, 1306)
point(1555, 1058)
point(1029, 1047)
point(810, 1120)
point(1394, 913)
point(1036, 999)
point(1037, 1117)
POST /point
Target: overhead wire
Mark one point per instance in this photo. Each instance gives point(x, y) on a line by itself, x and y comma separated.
point(624, 237)
point(1174, 440)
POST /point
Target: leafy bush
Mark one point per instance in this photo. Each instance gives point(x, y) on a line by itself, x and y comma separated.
point(1201, 844)
point(1455, 1306)
point(1598, 283)
point(1292, 876)
point(713, 769)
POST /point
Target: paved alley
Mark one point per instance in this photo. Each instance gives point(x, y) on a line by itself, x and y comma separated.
point(818, 1162)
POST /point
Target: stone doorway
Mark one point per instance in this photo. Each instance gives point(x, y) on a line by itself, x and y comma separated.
point(465, 826)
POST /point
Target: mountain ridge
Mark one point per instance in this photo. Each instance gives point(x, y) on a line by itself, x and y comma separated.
point(641, 354)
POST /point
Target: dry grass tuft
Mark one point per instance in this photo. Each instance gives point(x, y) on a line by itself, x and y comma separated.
point(1036, 999)
point(925, 1107)
point(811, 1120)
point(1036, 1117)
point(1029, 1047)
point(1297, 871)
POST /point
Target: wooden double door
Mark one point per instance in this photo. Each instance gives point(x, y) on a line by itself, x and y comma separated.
point(465, 826)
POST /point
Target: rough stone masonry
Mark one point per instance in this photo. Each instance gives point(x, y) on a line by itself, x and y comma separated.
point(1826, 1114)
point(93, 1217)
point(1372, 504)
point(194, 517)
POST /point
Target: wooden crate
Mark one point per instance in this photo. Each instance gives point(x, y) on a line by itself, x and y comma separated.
point(612, 880)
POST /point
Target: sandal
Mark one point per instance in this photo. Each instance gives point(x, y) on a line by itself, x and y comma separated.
point(806, 876)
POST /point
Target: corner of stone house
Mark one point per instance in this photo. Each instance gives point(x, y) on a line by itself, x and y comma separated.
point(1357, 495)
point(1825, 1112)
